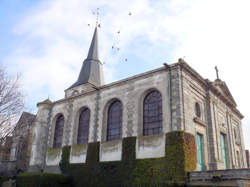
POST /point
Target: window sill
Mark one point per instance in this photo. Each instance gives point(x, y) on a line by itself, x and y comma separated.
point(200, 122)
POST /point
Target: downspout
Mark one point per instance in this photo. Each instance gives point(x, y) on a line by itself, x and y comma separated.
point(46, 140)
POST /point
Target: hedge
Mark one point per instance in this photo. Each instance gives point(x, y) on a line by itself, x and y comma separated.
point(2, 180)
point(31, 179)
point(170, 170)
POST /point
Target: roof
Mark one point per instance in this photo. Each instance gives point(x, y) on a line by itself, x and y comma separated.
point(91, 71)
point(25, 119)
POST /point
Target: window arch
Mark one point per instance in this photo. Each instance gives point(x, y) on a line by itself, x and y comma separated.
point(197, 110)
point(152, 113)
point(58, 135)
point(114, 123)
point(83, 127)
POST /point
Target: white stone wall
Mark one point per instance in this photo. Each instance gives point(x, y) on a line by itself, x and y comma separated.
point(178, 114)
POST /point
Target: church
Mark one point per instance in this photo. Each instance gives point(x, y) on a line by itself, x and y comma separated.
point(146, 107)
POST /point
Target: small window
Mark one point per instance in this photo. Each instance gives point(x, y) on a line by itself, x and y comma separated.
point(197, 110)
point(235, 134)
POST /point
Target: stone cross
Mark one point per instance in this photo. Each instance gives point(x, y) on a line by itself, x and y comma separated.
point(217, 72)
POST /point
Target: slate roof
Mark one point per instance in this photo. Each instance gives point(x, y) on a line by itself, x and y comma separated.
point(91, 68)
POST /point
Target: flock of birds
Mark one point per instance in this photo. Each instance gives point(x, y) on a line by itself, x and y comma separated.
point(113, 47)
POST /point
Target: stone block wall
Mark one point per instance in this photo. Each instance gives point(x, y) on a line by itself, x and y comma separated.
point(180, 90)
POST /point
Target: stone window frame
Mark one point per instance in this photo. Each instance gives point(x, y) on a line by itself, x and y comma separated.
point(76, 123)
point(205, 150)
point(52, 129)
point(105, 119)
point(58, 116)
point(80, 112)
point(140, 109)
point(197, 109)
point(224, 132)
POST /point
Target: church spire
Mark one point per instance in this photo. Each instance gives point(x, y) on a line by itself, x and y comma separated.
point(91, 71)
point(93, 50)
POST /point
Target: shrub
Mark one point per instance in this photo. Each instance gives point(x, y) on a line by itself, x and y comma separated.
point(43, 180)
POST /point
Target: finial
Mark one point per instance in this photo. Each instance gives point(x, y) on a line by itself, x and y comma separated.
point(97, 24)
point(217, 72)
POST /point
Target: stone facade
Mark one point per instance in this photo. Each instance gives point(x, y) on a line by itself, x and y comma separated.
point(189, 102)
point(21, 141)
point(180, 89)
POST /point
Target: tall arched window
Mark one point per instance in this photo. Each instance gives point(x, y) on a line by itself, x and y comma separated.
point(152, 113)
point(83, 128)
point(58, 131)
point(114, 123)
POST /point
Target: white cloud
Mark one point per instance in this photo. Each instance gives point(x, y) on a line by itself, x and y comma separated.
point(55, 41)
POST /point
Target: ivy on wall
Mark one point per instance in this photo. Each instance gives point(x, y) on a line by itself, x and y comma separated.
point(170, 170)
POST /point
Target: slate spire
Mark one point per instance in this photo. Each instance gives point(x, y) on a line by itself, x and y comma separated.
point(91, 71)
point(93, 49)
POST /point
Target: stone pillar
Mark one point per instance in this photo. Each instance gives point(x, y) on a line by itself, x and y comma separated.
point(39, 136)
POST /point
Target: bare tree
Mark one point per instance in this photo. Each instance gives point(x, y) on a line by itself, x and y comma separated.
point(11, 101)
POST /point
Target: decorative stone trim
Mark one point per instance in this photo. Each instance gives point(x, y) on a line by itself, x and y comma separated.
point(200, 122)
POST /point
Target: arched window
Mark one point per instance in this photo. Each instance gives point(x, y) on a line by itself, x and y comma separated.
point(197, 110)
point(114, 123)
point(83, 128)
point(152, 113)
point(58, 131)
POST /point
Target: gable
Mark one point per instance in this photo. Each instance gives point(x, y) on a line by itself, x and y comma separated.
point(224, 91)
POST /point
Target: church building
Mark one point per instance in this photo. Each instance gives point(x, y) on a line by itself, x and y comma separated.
point(147, 106)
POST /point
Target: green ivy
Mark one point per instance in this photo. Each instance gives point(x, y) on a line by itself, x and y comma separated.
point(170, 170)
point(43, 180)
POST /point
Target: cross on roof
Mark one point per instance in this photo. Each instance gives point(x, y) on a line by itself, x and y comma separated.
point(217, 72)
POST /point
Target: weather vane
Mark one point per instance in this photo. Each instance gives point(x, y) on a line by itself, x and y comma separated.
point(217, 72)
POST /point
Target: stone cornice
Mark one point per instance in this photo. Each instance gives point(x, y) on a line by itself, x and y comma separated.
point(208, 85)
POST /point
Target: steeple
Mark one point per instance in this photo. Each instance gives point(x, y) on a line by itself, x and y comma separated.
point(91, 71)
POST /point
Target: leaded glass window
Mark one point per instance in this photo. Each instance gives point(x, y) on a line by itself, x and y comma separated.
point(152, 113)
point(58, 131)
point(83, 128)
point(114, 123)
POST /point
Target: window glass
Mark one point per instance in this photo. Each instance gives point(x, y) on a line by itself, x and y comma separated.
point(83, 128)
point(58, 132)
point(114, 122)
point(152, 113)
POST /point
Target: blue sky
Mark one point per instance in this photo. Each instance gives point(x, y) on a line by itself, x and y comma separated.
point(46, 41)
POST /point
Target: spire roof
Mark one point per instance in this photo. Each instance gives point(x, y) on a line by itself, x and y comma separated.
point(91, 71)
point(93, 49)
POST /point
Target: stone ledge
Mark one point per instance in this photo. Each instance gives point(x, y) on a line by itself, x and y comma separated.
point(200, 122)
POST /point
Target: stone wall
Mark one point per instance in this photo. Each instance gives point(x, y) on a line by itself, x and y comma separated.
point(180, 90)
